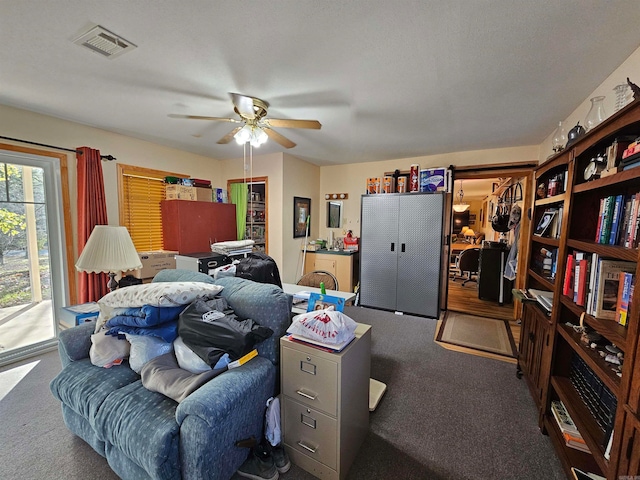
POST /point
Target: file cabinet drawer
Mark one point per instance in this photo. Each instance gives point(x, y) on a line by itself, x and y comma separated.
point(310, 432)
point(311, 380)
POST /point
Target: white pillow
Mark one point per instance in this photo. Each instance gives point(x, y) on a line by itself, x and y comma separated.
point(145, 348)
point(159, 294)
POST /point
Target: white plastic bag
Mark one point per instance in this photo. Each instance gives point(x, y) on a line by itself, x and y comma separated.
point(327, 326)
point(106, 349)
point(145, 348)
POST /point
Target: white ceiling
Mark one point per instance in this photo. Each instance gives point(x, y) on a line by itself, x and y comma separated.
point(387, 79)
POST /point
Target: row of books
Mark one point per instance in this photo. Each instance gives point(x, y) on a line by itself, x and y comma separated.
point(572, 436)
point(550, 223)
point(544, 260)
point(599, 285)
point(619, 220)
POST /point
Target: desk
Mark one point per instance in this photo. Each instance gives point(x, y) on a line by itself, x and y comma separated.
point(292, 288)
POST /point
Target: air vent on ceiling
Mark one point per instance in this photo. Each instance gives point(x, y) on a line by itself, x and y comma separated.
point(102, 41)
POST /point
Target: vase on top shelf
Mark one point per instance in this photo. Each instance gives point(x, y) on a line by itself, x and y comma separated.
point(596, 113)
point(622, 96)
point(559, 138)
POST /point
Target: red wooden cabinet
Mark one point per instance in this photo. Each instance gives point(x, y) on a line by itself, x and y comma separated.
point(191, 227)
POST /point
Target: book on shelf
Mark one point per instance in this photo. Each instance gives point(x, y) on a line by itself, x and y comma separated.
point(607, 218)
point(616, 220)
point(567, 286)
point(543, 297)
point(607, 291)
point(624, 297)
point(580, 475)
point(592, 283)
point(572, 436)
point(630, 234)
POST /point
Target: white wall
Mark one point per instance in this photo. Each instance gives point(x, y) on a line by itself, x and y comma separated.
point(301, 179)
point(34, 127)
point(630, 68)
point(351, 178)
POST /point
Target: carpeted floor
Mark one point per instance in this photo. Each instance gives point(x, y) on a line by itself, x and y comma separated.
point(445, 415)
point(480, 333)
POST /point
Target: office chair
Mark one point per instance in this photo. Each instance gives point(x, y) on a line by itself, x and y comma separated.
point(313, 279)
point(468, 262)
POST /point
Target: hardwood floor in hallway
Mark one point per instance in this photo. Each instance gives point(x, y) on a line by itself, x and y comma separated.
point(464, 298)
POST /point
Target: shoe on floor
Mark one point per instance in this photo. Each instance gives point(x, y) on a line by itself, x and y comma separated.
point(259, 467)
point(281, 459)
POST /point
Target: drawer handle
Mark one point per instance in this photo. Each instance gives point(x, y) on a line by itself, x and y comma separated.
point(306, 395)
point(307, 367)
point(307, 447)
point(308, 421)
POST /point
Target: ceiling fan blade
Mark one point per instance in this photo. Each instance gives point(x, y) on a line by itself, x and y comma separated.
point(276, 137)
point(199, 117)
point(285, 123)
point(244, 105)
point(229, 136)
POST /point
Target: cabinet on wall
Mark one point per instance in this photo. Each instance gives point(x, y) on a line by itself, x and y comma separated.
point(325, 404)
point(401, 252)
point(191, 227)
point(601, 398)
point(343, 265)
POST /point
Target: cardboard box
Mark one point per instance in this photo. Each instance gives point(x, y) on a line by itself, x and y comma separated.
point(374, 185)
point(195, 194)
point(76, 314)
point(153, 262)
point(388, 185)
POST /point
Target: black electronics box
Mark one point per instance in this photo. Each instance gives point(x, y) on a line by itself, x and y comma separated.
point(205, 262)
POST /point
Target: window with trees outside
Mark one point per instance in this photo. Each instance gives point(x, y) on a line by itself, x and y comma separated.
point(140, 192)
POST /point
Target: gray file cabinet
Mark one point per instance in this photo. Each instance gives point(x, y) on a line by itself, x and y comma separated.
point(325, 404)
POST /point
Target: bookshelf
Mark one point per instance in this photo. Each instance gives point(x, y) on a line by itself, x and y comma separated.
point(555, 359)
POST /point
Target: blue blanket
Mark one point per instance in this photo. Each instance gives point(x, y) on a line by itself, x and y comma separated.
point(159, 322)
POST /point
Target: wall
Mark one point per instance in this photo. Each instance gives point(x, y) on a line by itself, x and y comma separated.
point(39, 128)
point(301, 179)
point(351, 178)
point(630, 68)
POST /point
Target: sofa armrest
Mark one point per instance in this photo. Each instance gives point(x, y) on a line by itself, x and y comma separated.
point(74, 343)
point(212, 419)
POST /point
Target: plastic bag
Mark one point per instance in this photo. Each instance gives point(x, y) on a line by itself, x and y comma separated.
point(328, 326)
point(145, 348)
point(106, 350)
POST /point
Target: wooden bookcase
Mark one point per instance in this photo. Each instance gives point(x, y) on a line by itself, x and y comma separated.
point(548, 346)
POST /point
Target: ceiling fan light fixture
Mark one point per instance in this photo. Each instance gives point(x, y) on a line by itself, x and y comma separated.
point(243, 135)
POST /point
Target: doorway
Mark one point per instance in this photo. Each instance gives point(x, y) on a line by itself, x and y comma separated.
point(477, 193)
point(32, 253)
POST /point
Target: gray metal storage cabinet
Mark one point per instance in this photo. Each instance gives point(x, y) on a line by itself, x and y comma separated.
point(401, 249)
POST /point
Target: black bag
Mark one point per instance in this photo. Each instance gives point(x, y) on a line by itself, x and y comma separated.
point(259, 267)
point(211, 333)
point(500, 219)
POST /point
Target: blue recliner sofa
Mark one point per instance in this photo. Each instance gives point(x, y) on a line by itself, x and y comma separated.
point(145, 435)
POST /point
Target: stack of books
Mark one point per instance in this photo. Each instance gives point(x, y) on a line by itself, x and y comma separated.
point(569, 430)
point(544, 298)
point(619, 220)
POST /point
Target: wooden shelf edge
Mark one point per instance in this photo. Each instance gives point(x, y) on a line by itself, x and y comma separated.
point(583, 419)
point(605, 251)
point(610, 379)
point(552, 242)
point(623, 176)
point(551, 200)
point(614, 332)
point(540, 279)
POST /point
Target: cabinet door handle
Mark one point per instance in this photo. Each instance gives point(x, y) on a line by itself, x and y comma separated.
point(307, 447)
point(532, 337)
point(630, 446)
point(306, 395)
point(393, 246)
point(402, 248)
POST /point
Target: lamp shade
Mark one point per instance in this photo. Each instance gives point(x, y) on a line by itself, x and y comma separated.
point(469, 233)
point(109, 249)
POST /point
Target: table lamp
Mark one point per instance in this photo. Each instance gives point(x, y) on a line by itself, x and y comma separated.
point(470, 235)
point(109, 250)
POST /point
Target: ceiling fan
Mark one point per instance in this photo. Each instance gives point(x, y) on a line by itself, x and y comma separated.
point(254, 126)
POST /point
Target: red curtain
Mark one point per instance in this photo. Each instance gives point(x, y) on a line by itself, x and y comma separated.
point(92, 211)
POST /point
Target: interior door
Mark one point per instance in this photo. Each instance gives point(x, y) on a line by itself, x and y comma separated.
point(378, 251)
point(420, 220)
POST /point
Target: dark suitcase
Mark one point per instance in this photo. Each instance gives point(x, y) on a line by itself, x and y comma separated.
point(259, 267)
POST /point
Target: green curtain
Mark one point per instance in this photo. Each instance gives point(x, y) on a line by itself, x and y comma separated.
point(239, 194)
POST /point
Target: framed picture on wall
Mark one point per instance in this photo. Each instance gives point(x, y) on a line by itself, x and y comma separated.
point(301, 215)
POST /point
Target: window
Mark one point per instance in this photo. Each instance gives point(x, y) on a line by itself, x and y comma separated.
point(141, 190)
